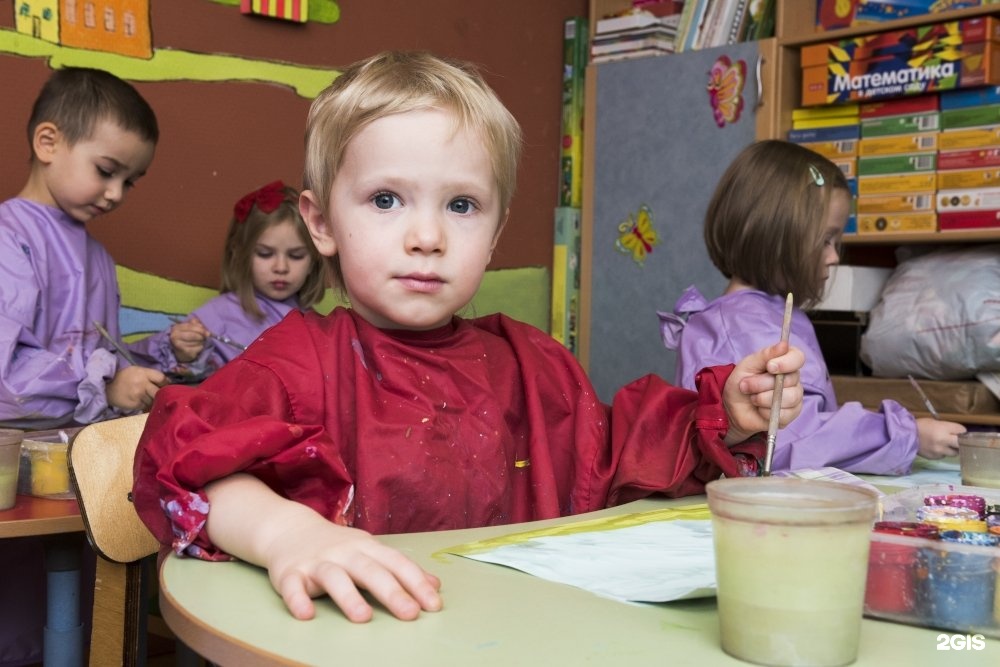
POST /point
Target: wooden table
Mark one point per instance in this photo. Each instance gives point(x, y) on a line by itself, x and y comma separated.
point(60, 524)
point(39, 516)
point(493, 615)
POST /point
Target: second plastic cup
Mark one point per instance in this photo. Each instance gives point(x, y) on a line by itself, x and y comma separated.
point(10, 457)
point(791, 557)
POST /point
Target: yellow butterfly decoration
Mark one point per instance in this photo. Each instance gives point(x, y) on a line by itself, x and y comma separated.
point(636, 235)
point(725, 90)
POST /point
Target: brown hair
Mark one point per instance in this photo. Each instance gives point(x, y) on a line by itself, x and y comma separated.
point(764, 223)
point(237, 261)
point(76, 98)
point(395, 82)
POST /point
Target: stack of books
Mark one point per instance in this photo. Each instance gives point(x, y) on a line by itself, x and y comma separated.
point(637, 34)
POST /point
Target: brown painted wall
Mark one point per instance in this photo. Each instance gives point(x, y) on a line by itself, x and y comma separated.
point(219, 140)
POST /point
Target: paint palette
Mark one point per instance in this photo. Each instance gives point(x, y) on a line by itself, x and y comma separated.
point(934, 561)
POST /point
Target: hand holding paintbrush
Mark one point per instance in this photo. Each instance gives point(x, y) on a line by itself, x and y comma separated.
point(187, 338)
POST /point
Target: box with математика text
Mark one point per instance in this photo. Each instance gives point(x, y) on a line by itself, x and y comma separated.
point(896, 76)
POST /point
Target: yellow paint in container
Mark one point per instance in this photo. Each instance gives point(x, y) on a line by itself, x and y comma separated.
point(44, 467)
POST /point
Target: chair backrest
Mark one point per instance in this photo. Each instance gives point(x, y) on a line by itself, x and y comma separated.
point(100, 466)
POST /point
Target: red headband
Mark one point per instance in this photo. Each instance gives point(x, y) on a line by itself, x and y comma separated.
point(267, 199)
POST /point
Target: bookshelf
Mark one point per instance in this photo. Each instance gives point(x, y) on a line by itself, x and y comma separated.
point(794, 28)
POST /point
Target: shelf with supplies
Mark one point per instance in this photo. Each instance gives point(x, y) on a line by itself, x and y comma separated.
point(897, 238)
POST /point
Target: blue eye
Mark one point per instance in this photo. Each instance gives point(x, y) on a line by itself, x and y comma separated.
point(385, 200)
point(461, 205)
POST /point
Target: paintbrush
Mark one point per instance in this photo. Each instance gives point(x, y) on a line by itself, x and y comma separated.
point(779, 384)
point(221, 338)
point(923, 396)
point(121, 350)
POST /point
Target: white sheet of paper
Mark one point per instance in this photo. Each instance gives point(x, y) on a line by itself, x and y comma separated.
point(652, 562)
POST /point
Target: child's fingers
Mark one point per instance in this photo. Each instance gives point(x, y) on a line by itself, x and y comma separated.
point(293, 591)
point(398, 583)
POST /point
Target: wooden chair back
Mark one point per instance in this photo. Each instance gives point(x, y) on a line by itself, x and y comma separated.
point(100, 465)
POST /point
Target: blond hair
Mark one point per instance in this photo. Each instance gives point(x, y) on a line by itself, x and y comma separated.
point(765, 222)
point(396, 82)
point(241, 241)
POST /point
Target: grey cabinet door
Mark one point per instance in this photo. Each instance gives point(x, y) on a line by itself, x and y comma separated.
point(657, 144)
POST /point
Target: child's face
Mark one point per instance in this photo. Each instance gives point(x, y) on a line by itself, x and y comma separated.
point(93, 176)
point(836, 218)
point(414, 216)
point(281, 262)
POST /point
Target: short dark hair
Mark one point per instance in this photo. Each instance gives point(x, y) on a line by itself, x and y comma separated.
point(764, 224)
point(76, 98)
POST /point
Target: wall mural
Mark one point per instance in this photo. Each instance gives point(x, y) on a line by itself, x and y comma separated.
point(115, 35)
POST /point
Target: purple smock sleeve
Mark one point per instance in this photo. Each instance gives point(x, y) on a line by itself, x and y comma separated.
point(223, 315)
point(848, 437)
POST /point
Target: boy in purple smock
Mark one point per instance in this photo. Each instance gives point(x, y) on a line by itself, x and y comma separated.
point(92, 136)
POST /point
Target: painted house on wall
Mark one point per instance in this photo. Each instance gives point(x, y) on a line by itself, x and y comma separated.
point(116, 26)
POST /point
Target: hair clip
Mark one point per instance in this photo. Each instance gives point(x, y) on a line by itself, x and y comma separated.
point(267, 199)
point(817, 177)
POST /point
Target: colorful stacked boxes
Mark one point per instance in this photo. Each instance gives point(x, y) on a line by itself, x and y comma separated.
point(897, 158)
point(911, 61)
point(969, 160)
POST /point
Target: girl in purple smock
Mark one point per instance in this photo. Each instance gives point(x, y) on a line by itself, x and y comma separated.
point(773, 226)
point(270, 268)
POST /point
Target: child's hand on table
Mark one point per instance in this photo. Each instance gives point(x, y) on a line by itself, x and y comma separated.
point(188, 339)
point(748, 391)
point(307, 556)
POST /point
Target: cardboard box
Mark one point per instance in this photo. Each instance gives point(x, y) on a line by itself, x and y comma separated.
point(898, 143)
point(887, 76)
point(835, 14)
point(963, 139)
point(854, 288)
point(987, 114)
point(964, 398)
point(974, 199)
point(897, 183)
point(968, 178)
point(968, 158)
point(974, 97)
point(877, 11)
point(951, 220)
point(903, 163)
point(907, 42)
point(928, 121)
point(898, 107)
point(887, 223)
point(834, 149)
point(896, 203)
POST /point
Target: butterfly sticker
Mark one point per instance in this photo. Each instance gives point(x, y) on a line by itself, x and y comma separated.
point(725, 89)
point(636, 235)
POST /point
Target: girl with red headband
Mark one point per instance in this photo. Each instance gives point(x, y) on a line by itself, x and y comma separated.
point(270, 267)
